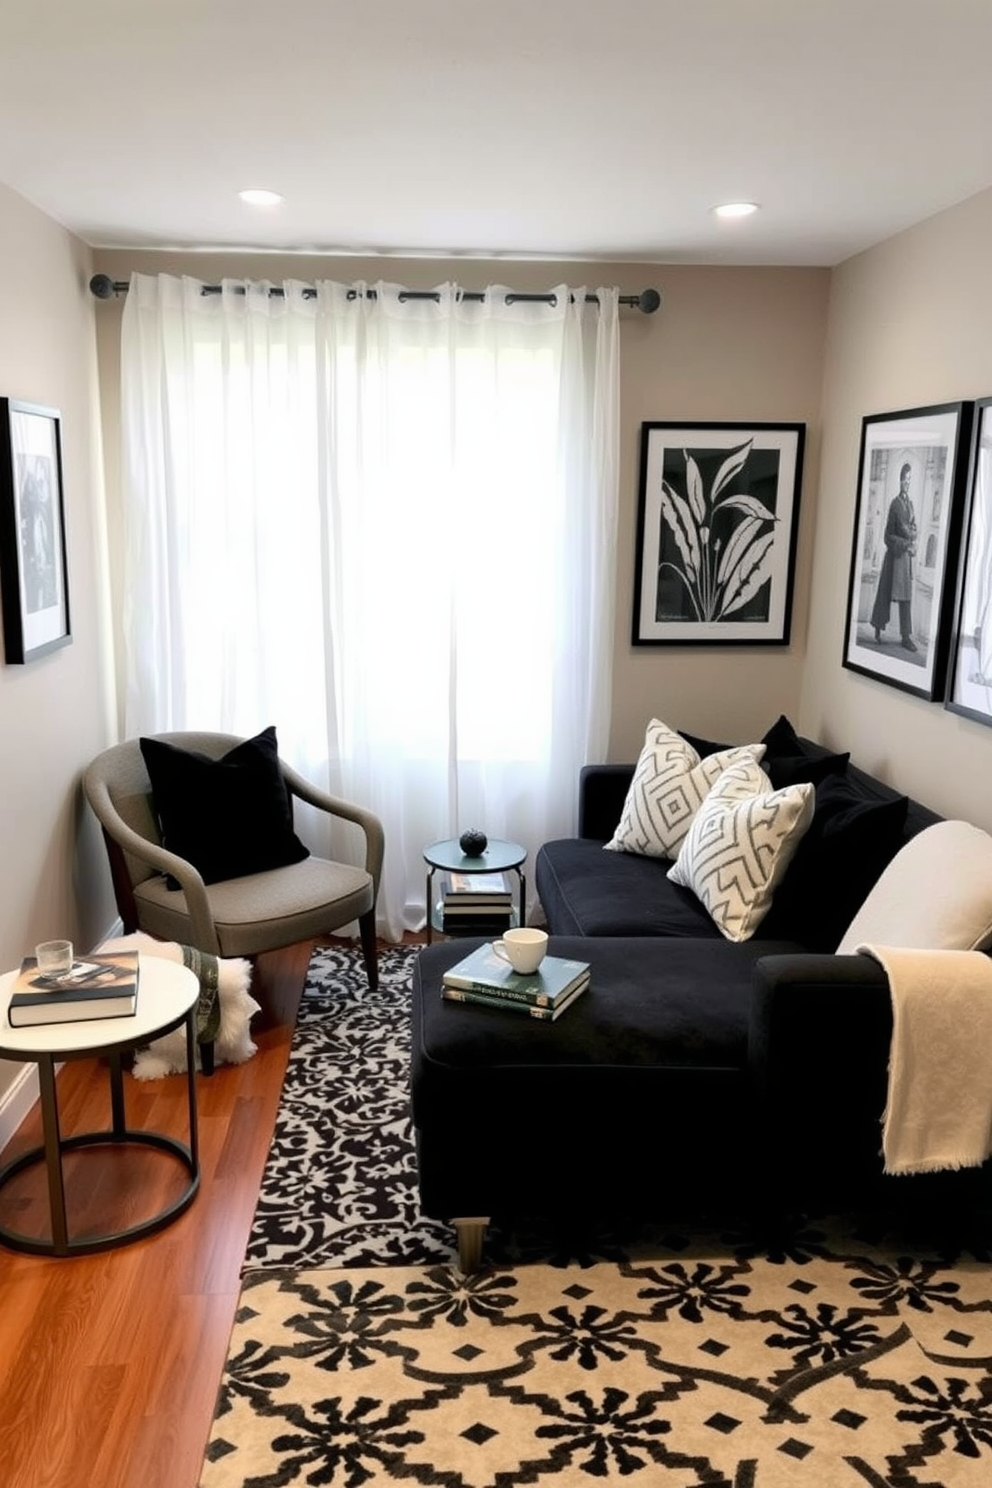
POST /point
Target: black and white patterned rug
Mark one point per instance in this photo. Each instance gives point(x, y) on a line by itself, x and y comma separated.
point(340, 1183)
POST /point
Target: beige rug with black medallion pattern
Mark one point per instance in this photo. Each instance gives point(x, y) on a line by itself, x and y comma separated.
point(826, 1369)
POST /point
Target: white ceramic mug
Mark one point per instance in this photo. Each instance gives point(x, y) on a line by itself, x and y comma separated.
point(524, 948)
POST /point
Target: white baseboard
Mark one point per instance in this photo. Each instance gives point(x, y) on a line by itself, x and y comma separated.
point(16, 1102)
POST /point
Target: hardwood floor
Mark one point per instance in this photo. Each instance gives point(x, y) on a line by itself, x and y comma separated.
point(110, 1364)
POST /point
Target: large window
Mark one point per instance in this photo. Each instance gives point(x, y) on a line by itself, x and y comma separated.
point(388, 531)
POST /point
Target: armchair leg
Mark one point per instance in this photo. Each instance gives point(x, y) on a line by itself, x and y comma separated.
point(471, 1236)
point(370, 952)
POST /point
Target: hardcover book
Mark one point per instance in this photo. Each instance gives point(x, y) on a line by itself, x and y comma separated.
point(475, 888)
point(546, 1012)
point(477, 925)
point(474, 919)
point(482, 970)
point(104, 985)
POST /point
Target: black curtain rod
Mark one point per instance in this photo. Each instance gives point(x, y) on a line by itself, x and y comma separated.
point(105, 288)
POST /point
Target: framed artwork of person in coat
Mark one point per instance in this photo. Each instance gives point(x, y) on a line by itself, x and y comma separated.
point(912, 473)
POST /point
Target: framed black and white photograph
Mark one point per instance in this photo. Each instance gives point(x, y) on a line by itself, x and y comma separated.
point(716, 533)
point(911, 476)
point(34, 583)
point(969, 683)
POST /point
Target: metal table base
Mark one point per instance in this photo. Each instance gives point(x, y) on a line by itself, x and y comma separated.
point(119, 1134)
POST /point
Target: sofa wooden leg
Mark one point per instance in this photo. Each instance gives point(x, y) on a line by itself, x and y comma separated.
point(471, 1235)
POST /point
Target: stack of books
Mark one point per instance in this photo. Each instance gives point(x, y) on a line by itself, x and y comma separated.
point(485, 978)
point(475, 904)
point(104, 985)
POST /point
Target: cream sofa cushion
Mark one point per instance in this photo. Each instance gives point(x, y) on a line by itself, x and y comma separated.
point(935, 895)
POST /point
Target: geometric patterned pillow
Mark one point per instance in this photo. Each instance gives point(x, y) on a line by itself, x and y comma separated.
point(740, 844)
point(669, 785)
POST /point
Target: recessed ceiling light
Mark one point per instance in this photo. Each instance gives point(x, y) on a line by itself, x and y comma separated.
point(736, 209)
point(261, 198)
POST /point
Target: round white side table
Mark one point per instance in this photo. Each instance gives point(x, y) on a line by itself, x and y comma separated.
point(167, 996)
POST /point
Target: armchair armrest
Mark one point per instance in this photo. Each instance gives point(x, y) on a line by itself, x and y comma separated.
point(818, 1052)
point(602, 792)
point(117, 832)
point(346, 811)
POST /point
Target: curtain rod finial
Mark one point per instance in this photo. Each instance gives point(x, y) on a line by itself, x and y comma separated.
point(648, 301)
point(102, 286)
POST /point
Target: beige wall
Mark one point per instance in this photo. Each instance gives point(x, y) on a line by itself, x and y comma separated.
point(727, 344)
point(53, 715)
point(910, 324)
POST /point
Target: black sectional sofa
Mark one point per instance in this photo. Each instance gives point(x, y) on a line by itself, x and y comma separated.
point(696, 1073)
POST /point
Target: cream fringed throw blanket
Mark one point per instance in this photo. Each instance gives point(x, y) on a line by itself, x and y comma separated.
point(939, 1108)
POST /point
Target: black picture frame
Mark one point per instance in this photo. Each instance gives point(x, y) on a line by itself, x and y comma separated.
point(34, 578)
point(717, 525)
point(969, 676)
point(905, 545)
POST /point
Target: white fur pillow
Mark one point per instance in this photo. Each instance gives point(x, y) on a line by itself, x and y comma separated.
point(935, 895)
point(669, 785)
point(740, 844)
point(233, 1044)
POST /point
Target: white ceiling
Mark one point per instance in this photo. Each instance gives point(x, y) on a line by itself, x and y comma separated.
point(547, 128)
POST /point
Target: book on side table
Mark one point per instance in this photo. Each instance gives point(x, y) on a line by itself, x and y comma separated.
point(475, 903)
point(484, 977)
point(104, 985)
point(488, 889)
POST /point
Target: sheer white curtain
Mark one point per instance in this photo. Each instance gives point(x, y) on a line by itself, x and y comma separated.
point(388, 527)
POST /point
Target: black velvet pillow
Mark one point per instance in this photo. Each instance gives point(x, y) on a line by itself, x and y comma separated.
point(838, 862)
point(781, 738)
point(703, 747)
point(228, 816)
point(797, 769)
point(787, 763)
point(784, 761)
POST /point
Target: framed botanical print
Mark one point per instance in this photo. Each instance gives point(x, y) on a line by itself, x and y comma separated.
point(34, 584)
point(716, 533)
point(969, 682)
point(911, 477)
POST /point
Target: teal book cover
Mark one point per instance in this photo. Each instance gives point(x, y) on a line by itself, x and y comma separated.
point(482, 970)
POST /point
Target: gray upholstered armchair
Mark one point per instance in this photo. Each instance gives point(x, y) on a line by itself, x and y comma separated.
point(238, 916)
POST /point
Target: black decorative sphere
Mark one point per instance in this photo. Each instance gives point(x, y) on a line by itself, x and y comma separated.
point(473, 843)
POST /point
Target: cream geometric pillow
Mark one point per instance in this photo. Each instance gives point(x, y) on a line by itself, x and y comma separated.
point(740, 844)
point(670, 784)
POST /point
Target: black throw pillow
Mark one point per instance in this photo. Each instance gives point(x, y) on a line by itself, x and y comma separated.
point(227, 816)
point(787, 763)
point(781, 738)
point(848, 844)
point(797, 769)
point(784, 761)
point(703, 747)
